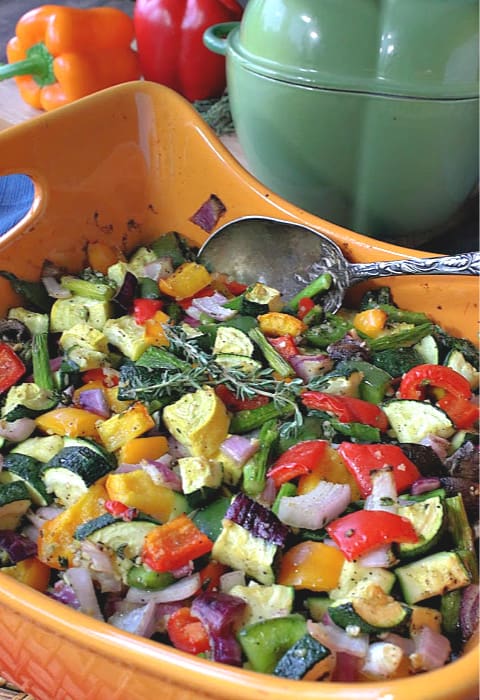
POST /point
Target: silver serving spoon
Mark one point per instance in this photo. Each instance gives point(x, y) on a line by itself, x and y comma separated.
point(288, 256)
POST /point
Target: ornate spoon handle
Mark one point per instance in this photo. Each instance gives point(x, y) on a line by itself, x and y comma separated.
point(462, 264)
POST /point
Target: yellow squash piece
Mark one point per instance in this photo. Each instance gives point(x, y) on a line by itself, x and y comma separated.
point(199, 421)
point(116, 431)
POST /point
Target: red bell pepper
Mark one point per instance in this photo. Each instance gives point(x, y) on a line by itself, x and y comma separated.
point(11, 367)
point(170, 47)
point(361, 460)
point(304, 306)
point(173, 545)
point(461, 411)
point(187, 632)
point(363, 530)
point(235, 288)
point(415, 382)
point(299, 459)
point(120, 510)
point(143, 309)
point(235, 404)
point(108, 377)
point(347, 409)
point(285, 346)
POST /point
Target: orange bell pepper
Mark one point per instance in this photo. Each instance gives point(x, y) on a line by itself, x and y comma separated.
point(312, 566)
point(60, 54)
point(32, 572)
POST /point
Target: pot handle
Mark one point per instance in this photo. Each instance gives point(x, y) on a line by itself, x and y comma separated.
point(215, 37)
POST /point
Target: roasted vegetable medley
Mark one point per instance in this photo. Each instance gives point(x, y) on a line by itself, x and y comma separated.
point(246, 478)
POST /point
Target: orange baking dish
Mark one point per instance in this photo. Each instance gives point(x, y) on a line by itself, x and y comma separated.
point(125, 165)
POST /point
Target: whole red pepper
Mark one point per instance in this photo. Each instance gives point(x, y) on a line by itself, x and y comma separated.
point(170, 45)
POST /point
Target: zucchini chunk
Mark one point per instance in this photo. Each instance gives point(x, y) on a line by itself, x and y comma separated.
point(307, 659)
point(71, 471)
point(124, 538)
point(18, 467)
point(428, 519)
point(372, 612)
point(265, 642)
point(411, 420)
point(432, 576)
point(14, 503)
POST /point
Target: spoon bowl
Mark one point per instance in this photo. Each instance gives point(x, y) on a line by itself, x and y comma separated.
point(288, 256)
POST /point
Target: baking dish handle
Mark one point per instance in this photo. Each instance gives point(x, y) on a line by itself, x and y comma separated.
point(215, 37)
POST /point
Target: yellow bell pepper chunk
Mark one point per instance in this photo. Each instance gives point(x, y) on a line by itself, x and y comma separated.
point(123, 427)
point(154, 331)
point(138, 490)
point(71, 421)
point(276, 323)
point(331, 468)
point(143, 448)
point(187, 280)
point(313, 566)
point(370, 322)
point(32, 572)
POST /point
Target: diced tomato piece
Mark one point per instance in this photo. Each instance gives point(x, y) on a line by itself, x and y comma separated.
point(187, 632)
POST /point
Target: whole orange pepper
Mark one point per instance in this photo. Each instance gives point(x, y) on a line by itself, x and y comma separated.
point(60, 54)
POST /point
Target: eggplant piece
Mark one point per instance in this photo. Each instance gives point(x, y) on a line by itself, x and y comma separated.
point(469, 611)
point(465, 462)
point(348, 348)
point(469, 491)
point(425, 459)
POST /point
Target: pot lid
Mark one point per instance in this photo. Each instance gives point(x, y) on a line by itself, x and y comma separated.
point(418, 48)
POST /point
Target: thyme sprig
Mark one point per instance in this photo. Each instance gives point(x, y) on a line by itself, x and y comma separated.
point(155, 385)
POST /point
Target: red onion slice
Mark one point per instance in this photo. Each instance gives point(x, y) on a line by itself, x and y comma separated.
point(239, 448)
point(432, 650)
point(336, 639)
point(315, 509)
point(94, 400)
point(81, 582)
point(209, 213)
point(17, 430)
point(54, 288)
point(425, 485)
point(141, 620)
point(309, 366)
point(180, 590)
point(158, 269)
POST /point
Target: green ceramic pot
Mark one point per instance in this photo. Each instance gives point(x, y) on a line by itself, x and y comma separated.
point(364, 112)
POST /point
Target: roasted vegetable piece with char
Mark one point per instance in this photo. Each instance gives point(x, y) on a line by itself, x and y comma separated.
point(253, 481)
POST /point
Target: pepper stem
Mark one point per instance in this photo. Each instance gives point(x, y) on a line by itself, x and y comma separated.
point(38, 64)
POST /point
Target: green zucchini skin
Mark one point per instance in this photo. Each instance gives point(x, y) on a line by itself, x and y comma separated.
point(18, 467)
point(428, 517)
point(433, 575)
point(349, 613)
point(307, 659)
point(14, 503)
point(265, 642)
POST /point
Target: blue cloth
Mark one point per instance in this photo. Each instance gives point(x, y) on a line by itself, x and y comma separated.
point(16, 197)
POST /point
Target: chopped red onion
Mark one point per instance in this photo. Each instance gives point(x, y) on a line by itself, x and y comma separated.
point(180, 590)
point(162, 474)
point(337, 639)
point(315, 509)
point(16, 546)
point(185, 570)
point(380, 557)
point(432, 650)
point(384, 491)
point(193, 313)
point(141, 620)
point(158, 269)
point(192, 322)
point(176, 449)
point(43, 514)
point(424, 485)
point(101, 567)
point(221, 613)
point(65, 594)
point(17, 430)
point(239, 448)
point(212, 306)
point(94, 400)
point(231, 579)
point(81, 581)
point(209, 213)
point(309, 366)
point(54, 288)
point(124, 468)
point(346, 669)
point(405, 643)
point(438, 444)
point(269, 493)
